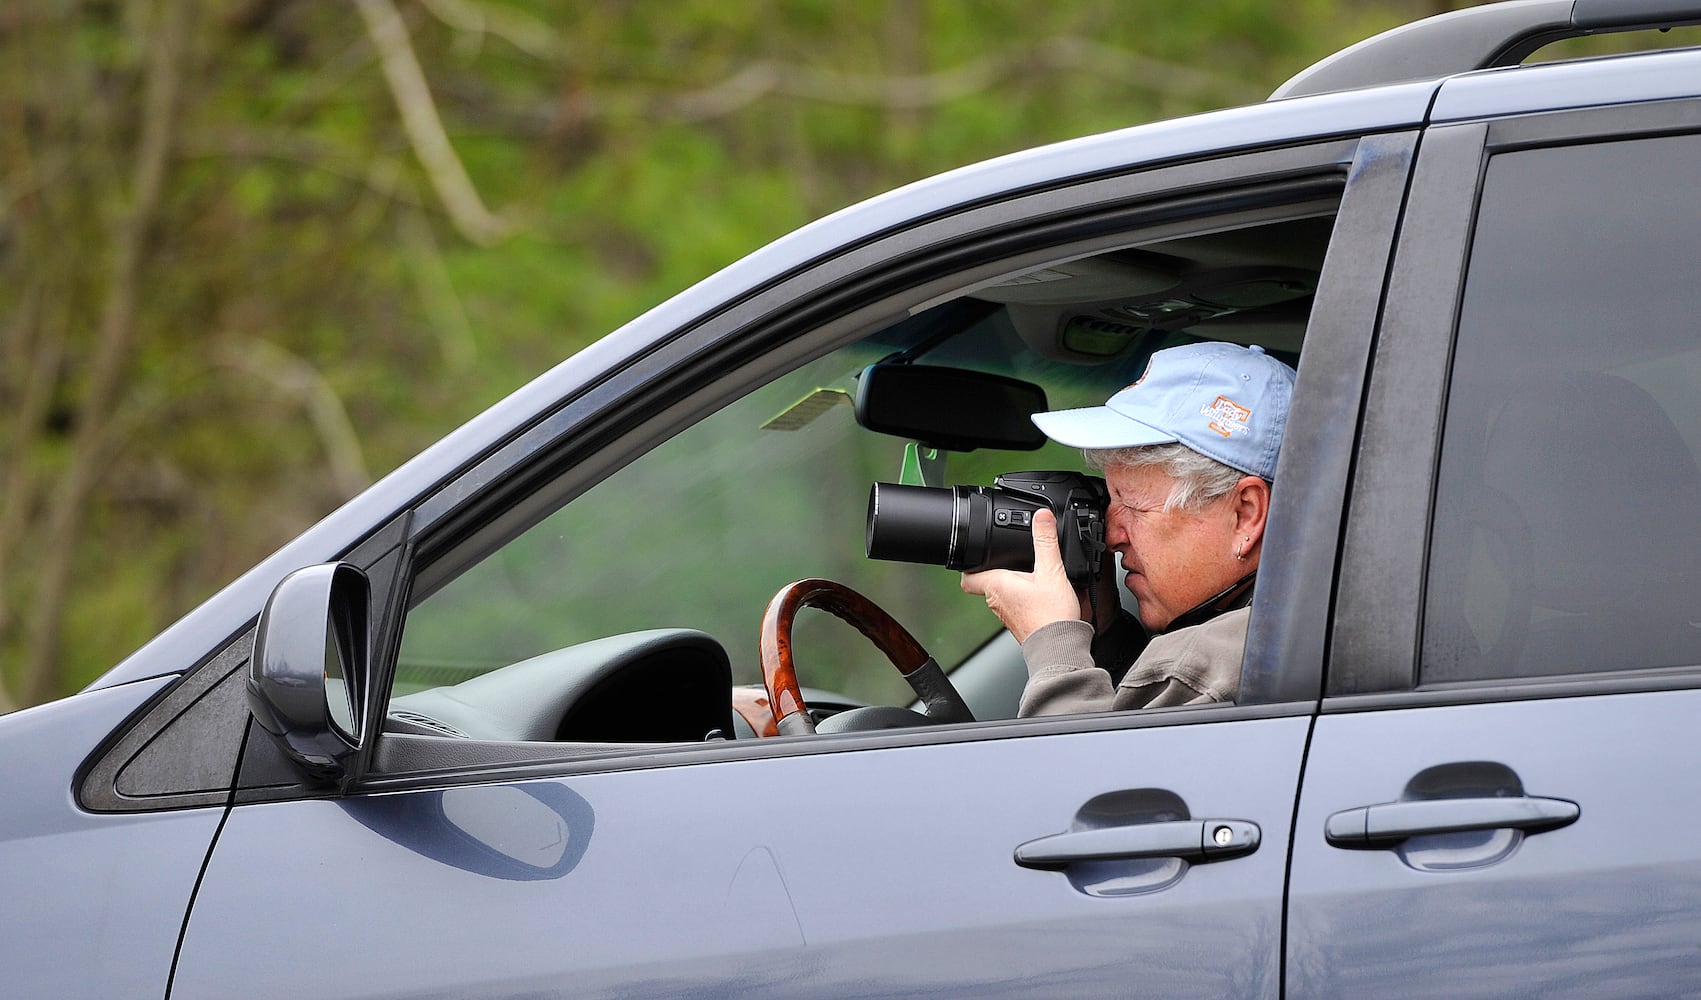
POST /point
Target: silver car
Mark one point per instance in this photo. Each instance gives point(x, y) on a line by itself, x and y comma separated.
point(471, 735)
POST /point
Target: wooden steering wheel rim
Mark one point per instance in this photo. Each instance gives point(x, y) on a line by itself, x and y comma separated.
point(779, 673)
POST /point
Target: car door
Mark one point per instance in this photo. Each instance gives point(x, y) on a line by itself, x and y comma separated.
point(1154, 845)
point(1498, 794)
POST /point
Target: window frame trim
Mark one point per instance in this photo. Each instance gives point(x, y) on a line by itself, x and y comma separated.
point(1387, 532)
point(1303, 543)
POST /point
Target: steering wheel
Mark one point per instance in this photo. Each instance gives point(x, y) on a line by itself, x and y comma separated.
point(779, 675)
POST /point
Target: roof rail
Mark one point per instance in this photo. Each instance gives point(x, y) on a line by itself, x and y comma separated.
point(1496, 34)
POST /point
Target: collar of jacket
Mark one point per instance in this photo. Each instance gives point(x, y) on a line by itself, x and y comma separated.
point(1236, 596)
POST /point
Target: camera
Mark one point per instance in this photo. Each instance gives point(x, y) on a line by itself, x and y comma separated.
point(972, 528)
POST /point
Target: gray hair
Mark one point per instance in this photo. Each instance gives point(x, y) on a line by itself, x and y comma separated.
point(1199, 479)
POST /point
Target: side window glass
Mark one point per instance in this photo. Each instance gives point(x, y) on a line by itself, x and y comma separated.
point(1572, 444)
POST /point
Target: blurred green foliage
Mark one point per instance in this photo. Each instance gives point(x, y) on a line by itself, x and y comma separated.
point(236, 287)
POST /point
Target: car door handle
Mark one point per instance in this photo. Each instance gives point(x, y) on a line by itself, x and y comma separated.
point(1392, 822)
point(1189, 839)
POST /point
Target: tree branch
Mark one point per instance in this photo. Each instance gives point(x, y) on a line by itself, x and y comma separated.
point(424, 128)
point(437, 295)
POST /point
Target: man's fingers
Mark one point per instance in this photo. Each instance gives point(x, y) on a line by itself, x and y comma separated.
point(1047, 556)
point(1025, 602)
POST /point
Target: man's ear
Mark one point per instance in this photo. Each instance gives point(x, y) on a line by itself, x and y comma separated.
point(1251, 507)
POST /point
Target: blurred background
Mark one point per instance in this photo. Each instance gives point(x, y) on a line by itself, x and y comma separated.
point(256, 253)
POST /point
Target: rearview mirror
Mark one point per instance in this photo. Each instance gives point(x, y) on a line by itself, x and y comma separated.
point(307, 675)
point(950, 408)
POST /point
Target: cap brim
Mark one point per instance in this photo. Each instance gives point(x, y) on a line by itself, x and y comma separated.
point(1099, 427)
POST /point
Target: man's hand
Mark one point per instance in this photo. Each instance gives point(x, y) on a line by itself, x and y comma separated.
point(1026, 601)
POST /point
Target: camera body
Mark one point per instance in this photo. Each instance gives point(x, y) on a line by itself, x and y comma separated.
point(973, 528)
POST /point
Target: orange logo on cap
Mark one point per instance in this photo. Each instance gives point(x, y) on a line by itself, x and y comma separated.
point(1227, 416)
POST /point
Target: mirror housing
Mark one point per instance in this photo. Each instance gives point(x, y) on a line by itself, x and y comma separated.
point(306, 679)
point(955, 409)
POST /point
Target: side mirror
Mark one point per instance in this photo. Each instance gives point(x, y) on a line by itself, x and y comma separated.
point(307, 676)
point(955, 409)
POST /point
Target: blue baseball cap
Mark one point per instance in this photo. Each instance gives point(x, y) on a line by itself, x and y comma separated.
point(1224, 401)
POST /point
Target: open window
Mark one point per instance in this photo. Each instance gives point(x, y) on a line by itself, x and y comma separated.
point(591, 617)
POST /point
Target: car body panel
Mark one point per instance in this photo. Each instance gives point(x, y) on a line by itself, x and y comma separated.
point(113, 889)
point(1607, 906)
point(886, 871)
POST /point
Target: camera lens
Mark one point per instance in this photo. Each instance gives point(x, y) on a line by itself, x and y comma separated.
point(955, 527)
point(911, 523)
point(975, 528)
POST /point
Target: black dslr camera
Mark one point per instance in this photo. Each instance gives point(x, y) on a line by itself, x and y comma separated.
point(972, 528)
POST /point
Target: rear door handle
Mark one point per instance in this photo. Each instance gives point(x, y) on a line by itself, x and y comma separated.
point(1390, 823)
point(1193, 840)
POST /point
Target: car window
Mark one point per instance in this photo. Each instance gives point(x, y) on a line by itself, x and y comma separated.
point(1572, 438)
point(702, 530)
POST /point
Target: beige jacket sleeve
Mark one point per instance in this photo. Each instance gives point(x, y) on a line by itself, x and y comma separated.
point(1196, 665)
